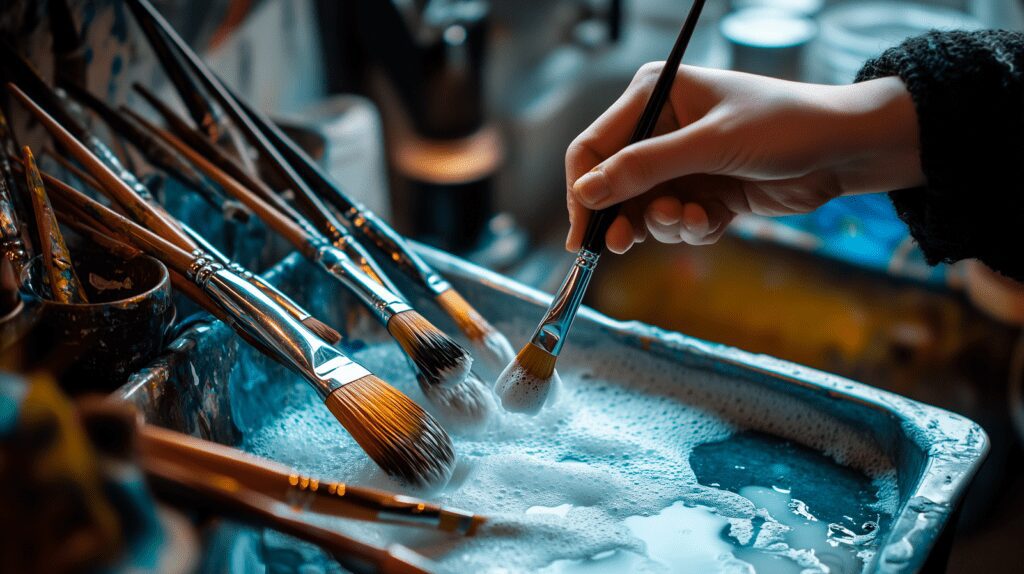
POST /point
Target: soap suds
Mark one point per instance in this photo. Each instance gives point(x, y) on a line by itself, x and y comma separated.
point(614, 444)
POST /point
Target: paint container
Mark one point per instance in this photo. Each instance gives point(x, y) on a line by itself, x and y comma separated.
point(94, 347)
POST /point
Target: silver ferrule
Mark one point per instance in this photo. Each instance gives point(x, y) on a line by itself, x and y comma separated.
point(269, 290)
point(323, 366)
point(554, 328)
point(379, 299)
point(399, 251)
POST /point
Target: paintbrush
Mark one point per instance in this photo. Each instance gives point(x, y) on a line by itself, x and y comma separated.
point(438, 360)
point(116, 243)
point(303, 175)
point(303, 492)
point(59, 272)
point(161, 155)
point(328, 224)
point(524, 384)
point(204, 110)
point(397, 434)
point(311, 204)
point(25, 76)
point(325, 331)
point(489, 343)
point(12, 244)
point(226, 496)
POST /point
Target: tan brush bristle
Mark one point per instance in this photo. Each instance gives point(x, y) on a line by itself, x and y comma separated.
point(323, 330)
point(399, 436)
point(524, 385)
point(491, 345)
point(438, 358)
point(468, 404)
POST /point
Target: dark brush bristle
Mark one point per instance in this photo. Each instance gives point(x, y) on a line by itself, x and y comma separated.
point(438, 358)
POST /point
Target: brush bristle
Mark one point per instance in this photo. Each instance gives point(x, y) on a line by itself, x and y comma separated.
point(438, 358)
point(491, 346)
point(402, 438)
point(468, 404)
point(524, 385)
point(323, 330)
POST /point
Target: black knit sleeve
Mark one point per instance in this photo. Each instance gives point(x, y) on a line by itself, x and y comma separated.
point(968, 89)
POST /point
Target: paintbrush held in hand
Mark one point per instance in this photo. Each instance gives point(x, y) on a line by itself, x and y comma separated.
point(313, 186)
point(59, 272)
point(393, 430)
point(524, 384)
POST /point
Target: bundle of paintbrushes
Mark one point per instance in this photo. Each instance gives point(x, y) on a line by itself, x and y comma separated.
point(285, 164)
point(398, 435)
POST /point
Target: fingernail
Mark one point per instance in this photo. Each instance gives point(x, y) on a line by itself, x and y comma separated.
point(592, 188)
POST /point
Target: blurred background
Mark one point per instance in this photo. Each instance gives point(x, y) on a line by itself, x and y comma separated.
point(451, 119)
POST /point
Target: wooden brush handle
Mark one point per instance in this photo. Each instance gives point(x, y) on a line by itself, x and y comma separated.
point(176, 258)
point(110, 182)
point(224, 496)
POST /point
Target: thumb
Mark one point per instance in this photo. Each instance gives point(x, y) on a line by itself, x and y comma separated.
point(637, 168)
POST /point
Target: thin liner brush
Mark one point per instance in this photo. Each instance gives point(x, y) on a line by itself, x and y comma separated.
point(161, 155)
point(489, 343)
point(302, 492)
point(60, 273)
point(524, 384)
point(311, 204)
point(404, 440)
point(437, 358)
point(224, 495)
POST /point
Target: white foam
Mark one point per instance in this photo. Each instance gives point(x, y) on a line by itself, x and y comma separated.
point(609, 452)
point(522, 392)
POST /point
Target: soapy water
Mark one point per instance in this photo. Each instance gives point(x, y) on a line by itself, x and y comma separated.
point(662, 476)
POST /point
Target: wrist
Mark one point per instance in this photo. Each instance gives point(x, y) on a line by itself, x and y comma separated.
point(878, 147)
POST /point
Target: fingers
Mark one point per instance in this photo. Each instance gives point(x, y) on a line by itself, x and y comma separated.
point(607, 135)
point(634, 170)
point(695, 222)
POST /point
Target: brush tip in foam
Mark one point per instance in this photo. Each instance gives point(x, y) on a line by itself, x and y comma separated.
point(494, 351)
point(468, 404)
point(524, 385)
point(402, 438)
point(438, 358)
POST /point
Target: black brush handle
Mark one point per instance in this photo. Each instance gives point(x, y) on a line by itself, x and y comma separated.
point(600, 221)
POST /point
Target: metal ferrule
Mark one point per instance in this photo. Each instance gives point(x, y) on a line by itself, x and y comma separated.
point(379, 299)
point(269, 290)
point(323, 366)
point(358, 254)
point(390, 242)
point(554, 328)
point(13, 248)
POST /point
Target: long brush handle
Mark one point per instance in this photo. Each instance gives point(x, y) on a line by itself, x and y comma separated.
point(141, 209)
point(384, 302)
point(285, 484)
point(323, 366)
point(226, 496)
point(597, 228)
point(368, 224)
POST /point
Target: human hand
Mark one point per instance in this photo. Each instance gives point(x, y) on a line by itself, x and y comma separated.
point(729, 143)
